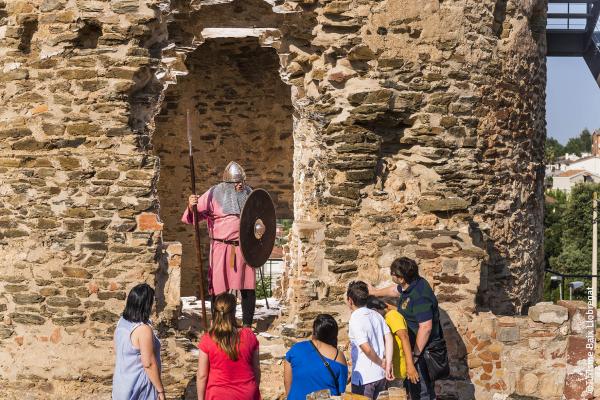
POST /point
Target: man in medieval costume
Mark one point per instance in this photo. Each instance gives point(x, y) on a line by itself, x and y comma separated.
point(221, 206)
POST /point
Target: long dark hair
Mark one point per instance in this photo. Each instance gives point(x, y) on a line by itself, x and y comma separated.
point(139, 303)
point(224, 329)
point(325, 329)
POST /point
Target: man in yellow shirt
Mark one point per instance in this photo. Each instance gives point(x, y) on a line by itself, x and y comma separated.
point(402, 361)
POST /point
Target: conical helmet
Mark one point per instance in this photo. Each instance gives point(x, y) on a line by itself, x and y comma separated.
point(234, 173)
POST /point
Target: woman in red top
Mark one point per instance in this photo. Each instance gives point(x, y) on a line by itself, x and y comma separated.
point(228, 365)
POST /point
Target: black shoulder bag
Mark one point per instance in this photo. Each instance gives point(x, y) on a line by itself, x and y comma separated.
point(326, 363)
point(436, 355)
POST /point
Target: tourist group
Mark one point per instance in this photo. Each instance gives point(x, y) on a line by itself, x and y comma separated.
point(395, 336)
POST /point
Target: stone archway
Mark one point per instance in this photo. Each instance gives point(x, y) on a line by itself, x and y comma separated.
point(241, 110)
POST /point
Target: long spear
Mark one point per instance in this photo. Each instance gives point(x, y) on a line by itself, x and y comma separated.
point(196, 223)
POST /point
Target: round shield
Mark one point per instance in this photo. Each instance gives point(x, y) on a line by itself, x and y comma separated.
point(257, 228)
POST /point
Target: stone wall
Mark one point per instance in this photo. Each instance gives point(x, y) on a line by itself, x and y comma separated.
point(539, 356)
point(424, 112)
point(417, 130)
point(79, 225)
point(240, 110)
point(542, 355)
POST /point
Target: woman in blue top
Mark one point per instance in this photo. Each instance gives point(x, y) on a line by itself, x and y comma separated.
point(137, 350)
point(316, 364)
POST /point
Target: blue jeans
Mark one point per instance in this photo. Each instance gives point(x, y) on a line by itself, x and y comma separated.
point(425, 388)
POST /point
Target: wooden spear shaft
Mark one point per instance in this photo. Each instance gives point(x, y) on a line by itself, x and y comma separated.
point(196, 222)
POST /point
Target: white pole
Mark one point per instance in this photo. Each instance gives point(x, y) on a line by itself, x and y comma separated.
point(560, 288)
point(595, 252)
point(570, 292)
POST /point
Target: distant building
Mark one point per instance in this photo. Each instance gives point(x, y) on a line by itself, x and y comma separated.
point(567, 179)
point(590, 164)
point(570, 161)
point(596, 143)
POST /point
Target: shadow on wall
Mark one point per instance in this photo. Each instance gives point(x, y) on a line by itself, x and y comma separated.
point(458, 386)
point(495, 280)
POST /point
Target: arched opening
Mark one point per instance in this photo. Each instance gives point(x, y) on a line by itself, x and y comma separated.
point(240, 110)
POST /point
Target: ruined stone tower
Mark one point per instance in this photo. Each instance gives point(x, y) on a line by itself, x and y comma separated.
point(383, 128)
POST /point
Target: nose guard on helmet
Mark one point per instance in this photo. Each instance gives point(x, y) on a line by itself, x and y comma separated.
point(234, 173)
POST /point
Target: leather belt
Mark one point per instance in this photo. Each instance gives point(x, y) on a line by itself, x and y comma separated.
point(230, 242)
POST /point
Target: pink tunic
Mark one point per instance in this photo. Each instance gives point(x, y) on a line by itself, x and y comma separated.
point(224, 272)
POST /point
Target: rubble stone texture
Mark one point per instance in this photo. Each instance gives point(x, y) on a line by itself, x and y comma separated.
point(386, 128)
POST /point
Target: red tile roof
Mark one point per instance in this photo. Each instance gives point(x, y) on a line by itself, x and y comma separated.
point(573, 172)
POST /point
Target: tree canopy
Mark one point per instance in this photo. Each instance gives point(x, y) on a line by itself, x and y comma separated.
point(568, 230)
point(577, 145)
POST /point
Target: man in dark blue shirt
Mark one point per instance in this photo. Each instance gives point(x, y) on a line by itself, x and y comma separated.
point(419, 307)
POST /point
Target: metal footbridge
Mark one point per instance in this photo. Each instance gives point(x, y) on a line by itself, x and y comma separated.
point(572, 31)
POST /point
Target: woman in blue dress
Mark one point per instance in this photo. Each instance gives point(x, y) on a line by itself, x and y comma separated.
point(137, 350)
point(316, 364)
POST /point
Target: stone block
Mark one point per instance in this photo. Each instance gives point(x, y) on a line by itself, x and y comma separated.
point(59, 301)
point(341, 268)
point(508, 333)
point(108, 174)
point(528, 384)
point(69, 320)
point(12, 288)
point(148, 222)
point(74, 225)
point(78, 73)
point(378, 96)
point(27, 318)
point(69, 163)
point(111, 295)
point(576, 349)
point(360, 52)
point(75, 272)
point(6, 332)
point(426, 254)
point(341, 255)
point(96, 236)
point(14, 133)
point(27, 298)
point(78, 292)
point(579, 315)
point(446, 204)
point(15, 233)
point(575, 387)
point(348, 191)
point(104, 316)
point(78, 212)
point(83, 129)
point(48, 223)
point(49, 291)
point(548, 313)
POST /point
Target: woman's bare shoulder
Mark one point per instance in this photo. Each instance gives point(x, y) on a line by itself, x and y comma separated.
point(341, 358)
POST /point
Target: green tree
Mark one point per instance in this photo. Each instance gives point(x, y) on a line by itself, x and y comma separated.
point(585, 137)
point(576, 240)
point(552, 150)
point(555, 205)
point(573, 146)
point(580, 144)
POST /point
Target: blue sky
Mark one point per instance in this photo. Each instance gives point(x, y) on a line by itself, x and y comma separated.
point(572, 98)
